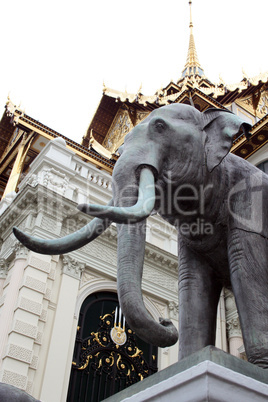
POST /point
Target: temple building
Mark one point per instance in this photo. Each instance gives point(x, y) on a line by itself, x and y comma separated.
point(61, 326)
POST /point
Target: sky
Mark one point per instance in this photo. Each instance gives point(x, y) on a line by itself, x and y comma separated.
point(56, 54)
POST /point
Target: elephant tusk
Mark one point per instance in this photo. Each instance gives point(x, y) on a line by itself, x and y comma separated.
point(65, 244)
point(135, 213)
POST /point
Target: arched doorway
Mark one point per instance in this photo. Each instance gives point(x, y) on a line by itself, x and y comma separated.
point(106, 362)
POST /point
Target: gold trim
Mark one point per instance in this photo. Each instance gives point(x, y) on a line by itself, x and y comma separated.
point(86, 363)
point(96, 338)
point(256, 149)
point(137, 353)
point(106, 315)
point(18, 164)
point(98, 147)
point(77, 152)
point(238, 143)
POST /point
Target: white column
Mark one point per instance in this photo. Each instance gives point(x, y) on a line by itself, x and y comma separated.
point(53, 389)
point(234, 332)
point(221, 338)
point(11, 294)
point(234, 336)
point(3, 274)
point(169, 355)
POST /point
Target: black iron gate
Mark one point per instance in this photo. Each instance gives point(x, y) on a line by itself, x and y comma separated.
point(108, 356)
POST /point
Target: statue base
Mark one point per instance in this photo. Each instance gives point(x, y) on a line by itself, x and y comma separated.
point(207, 375)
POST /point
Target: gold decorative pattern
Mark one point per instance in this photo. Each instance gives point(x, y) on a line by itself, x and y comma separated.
point(96, 338)
point(84, 365)
point(261, 137)
point(141, 116)
point(263, 104)
point(137, 352)
point(106, 315)
point(121, 125)
point(124, 364)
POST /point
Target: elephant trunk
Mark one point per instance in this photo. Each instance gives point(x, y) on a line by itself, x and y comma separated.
point(131, 249)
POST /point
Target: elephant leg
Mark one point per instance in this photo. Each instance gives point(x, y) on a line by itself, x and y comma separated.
point(199, 293)
point(248, 259)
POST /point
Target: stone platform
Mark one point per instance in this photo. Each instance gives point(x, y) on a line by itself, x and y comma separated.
point(208, 375)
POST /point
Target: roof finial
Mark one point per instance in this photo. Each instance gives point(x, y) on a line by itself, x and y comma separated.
point(191, 21)
point(192, 66)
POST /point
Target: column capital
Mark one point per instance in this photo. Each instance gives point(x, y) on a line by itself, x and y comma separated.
point(20, 250)
point(3, 268)
point(233, 327)
point(72, 267)
point(173, 309)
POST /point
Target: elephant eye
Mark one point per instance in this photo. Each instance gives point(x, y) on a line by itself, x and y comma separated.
point(160, 125)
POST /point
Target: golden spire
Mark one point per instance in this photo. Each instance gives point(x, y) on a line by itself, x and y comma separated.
point(192, 66)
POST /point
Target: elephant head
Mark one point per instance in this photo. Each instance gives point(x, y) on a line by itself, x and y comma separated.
point(175, 144)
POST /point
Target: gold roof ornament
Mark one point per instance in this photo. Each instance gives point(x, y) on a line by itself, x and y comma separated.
point(140, 88)
point(221, 80)
point(192, 66)
point(192, 87)
point(98, 147)
point(104, 88)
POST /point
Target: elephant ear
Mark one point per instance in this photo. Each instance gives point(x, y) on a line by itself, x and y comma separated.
point(220, 127)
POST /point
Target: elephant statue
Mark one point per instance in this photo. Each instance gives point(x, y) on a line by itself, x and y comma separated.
point(177, 163)
point(9, 393)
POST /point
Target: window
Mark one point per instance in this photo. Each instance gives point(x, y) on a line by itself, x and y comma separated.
point(263, 166)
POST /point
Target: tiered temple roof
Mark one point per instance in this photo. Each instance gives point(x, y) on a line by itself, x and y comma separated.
point(118, 112)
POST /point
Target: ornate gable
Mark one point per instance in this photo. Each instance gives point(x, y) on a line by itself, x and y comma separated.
point(121, 125)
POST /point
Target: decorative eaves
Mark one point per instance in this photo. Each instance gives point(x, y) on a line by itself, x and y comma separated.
point(102, 159)
point(244, 147)
point(161, 98)
point(99, 148)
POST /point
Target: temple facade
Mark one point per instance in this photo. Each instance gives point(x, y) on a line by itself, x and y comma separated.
point(62, 334)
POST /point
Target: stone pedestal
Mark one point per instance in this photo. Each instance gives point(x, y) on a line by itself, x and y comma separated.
point(208, 375)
